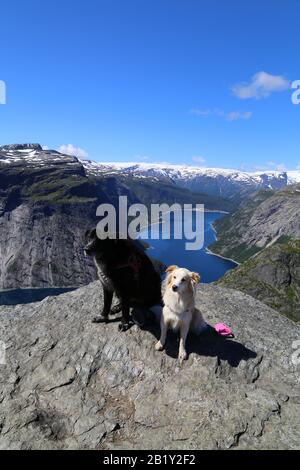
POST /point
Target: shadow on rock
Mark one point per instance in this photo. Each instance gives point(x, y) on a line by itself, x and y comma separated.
point(209, 344)
point(27, 296)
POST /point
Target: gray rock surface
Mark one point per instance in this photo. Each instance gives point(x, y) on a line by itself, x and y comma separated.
point(42, 246)
point(68, 383)
point(258, 223)
point(272, 276)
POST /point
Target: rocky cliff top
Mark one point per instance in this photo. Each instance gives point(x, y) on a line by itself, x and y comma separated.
point(272, 276)
point(13, 147)
point(33, 156)
point(258, 223)
point(69, 383)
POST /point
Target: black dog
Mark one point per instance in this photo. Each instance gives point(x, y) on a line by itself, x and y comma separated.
point(124, 269)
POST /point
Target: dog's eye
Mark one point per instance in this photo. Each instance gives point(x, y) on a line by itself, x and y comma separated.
point(183, 279)
point(174, 277)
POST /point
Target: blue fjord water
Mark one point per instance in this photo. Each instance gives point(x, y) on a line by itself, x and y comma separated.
point(209, 266)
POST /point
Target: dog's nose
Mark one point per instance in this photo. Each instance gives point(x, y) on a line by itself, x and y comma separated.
point(174, 288)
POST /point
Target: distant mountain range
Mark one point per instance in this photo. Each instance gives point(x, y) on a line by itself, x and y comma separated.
point(48, 200)
point(225, 183)
point(218, 182)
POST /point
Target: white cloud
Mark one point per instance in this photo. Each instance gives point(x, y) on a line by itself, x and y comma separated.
point(281, 167)
point(271, 166)
point(142, 158)
point(235, 115)
point(207, 112)
point(203, 112)
point(231, 116)
point(45, 147)
point(261, 85)
point(69, 149)
point(198, 159)
point(2, 92)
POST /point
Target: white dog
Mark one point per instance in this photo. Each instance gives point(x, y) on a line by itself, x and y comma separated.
point(179, 310)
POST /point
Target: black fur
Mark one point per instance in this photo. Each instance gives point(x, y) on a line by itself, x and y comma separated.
point(127, 272)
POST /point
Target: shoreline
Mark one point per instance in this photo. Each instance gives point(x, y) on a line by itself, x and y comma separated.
point(208, 251)
point(216, 254)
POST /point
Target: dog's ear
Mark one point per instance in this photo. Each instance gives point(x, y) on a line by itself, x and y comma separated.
point(87, 233)
point(195, 277)
point(171, 268)
point(91, 233)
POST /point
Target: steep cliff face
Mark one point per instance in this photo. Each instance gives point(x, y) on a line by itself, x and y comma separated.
point(48, 201)
point(46, 204)
point(259, 222)
point(273, 276)
point(264, 236)
point(68, 383)
point(42, 246)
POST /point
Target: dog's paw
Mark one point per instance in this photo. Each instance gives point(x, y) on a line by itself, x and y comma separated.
point(182, 356)
point(116, 309)
point(100, 319)
point(159, 346)
point(125, 326)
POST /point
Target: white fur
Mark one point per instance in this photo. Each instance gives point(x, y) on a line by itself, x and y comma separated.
point(179, 312)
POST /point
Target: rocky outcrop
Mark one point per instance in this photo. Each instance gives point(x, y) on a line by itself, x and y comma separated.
point(273, 276)
point(258, 223)
point(69, 383)
point(42, 246)
point(47, 202)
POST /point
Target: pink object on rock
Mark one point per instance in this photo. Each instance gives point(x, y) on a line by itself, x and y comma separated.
point(223, 329)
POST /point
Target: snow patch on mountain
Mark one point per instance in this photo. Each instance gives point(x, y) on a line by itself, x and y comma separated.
point(185, 171)
point(217, 181)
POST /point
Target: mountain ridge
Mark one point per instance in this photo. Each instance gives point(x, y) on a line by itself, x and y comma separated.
point(293, 175)
point(230, 184)
point(47, 202)
point(227, 183)
point(259, 222)
point(272, 276)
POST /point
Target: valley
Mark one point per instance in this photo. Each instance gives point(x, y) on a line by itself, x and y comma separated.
point(48, 200)
point(264, 235)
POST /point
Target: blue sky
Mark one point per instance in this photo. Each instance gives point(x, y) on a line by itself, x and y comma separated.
point(161, 80)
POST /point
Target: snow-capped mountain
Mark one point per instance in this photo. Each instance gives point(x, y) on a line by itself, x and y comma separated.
point(214, 181)
point(49, 199)
point(33, 155)
point(225, 183)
